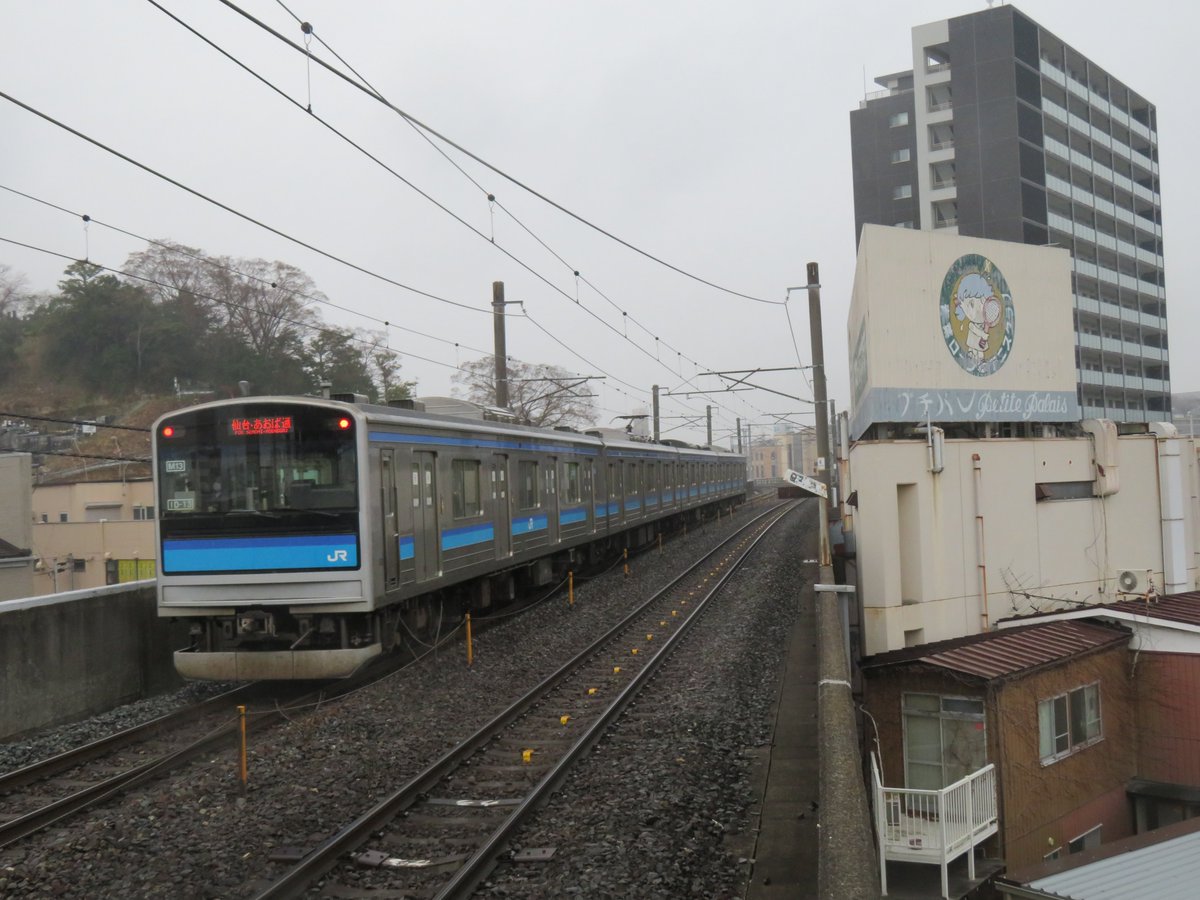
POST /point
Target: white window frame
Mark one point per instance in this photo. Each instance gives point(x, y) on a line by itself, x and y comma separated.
point(903, 155)
point(1048, 751)
point(897, 120)
point(902, 192)
point(1097, 830)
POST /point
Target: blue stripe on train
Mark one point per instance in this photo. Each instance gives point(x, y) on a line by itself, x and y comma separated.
point(454, 538)
point(530, 524)
point(571, 516)
point(260, 554)
point(407, 547)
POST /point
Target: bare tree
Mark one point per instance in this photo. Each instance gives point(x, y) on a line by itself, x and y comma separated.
point(539, 394)
point(268, 304)
point(13, 294)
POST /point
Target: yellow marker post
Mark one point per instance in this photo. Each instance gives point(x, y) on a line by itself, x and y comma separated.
point(663, 623)
point(470, 649)
point(245, 773)
point(634, 651)
point(563, 720)
point(626, 562)
point(570, 588)
point(674, 612)
point(526, 756)
point(591, 691)
point(616, 670)
point(649, 637)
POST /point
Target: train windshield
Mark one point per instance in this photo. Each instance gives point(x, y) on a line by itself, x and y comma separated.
point(257, 468)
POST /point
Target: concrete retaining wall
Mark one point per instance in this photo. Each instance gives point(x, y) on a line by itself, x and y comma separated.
point(848, 867)
point(70, 655)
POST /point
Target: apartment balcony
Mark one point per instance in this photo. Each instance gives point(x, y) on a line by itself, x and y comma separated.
point(934, 827)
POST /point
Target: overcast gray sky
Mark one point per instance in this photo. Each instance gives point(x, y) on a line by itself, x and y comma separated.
point(712, 135)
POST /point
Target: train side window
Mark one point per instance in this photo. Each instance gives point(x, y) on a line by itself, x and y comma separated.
point(633, 479)
point(571, 487)
point(528, 496)
point(465, 494)
point(416, 485)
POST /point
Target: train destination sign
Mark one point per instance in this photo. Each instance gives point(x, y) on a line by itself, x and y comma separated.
point(264, 425)
point(805, 483)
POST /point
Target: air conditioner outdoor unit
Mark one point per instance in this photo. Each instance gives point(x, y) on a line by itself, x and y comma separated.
point(1133, 581)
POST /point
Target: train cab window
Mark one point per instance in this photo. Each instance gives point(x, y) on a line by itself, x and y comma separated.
point(528, 495)
point(464, 488)
point(572, 490)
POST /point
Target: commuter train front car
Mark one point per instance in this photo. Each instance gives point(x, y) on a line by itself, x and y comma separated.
point(300, 537)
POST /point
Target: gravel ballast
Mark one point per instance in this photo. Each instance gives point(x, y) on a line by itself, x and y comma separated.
point(196, 835)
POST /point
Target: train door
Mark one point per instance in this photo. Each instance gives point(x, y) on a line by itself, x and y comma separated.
point(501, 507)
point(591, 492)
point(391, 528)
point(427, 536)
point(553, 508)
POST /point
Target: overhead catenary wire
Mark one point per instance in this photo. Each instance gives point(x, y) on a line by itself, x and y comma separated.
point(210, 261)
point(490, 239)
point(310, 32)
point(306, 325)
point(278, 316)
point(371, 92)
point(231, 210)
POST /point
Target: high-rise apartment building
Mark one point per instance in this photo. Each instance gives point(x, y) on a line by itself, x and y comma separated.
point(1001, 130)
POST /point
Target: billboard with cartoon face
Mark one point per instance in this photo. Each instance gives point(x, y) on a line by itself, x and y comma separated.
point(933, 331)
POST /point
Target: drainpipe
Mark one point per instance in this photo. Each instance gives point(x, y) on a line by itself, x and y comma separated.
point(1170, 501)
point(977, 465)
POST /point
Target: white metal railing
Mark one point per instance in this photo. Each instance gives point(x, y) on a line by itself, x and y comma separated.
point(934, 827)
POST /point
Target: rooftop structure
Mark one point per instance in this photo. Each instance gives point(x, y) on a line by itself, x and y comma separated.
point(1001, 130)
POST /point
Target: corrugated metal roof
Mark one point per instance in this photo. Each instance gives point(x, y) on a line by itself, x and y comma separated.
point(998, 654)
point(1169, 870)
point(1184, 608)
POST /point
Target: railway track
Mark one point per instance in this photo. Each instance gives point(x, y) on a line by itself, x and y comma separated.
point(59, 787)
point(441, 833)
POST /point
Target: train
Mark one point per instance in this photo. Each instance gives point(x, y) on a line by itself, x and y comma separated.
point(302, 536)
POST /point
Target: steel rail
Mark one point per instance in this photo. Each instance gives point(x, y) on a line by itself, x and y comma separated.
point(480, 864)
point(325, 857)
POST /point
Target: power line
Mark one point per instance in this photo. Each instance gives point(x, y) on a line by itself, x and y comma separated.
point(309, 31)
point(210, 261)
point(375, 95)
point(624, 336)
point(278, 316)
point(229, 209)
point(124, 459)
point(70, 421)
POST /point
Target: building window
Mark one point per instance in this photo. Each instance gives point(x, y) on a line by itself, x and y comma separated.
point(45, 518)
point(464, 488)
point(528, 496)
point(900, 118)
point(902, 192)
point(143, 513)
point(79, 565)
point(901, 155)
point(945, 739)
point(62, 517)
point(1068, 722)
point(907, 224)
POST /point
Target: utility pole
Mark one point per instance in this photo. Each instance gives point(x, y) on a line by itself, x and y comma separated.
point(500, 353)
point(821, 400)
point(708, 415)
point(739, 431)
point(655, 429)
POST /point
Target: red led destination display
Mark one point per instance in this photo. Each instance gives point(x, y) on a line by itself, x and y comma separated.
point(263, 425)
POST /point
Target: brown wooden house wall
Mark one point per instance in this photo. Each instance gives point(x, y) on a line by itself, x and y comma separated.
point(1041, 806)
